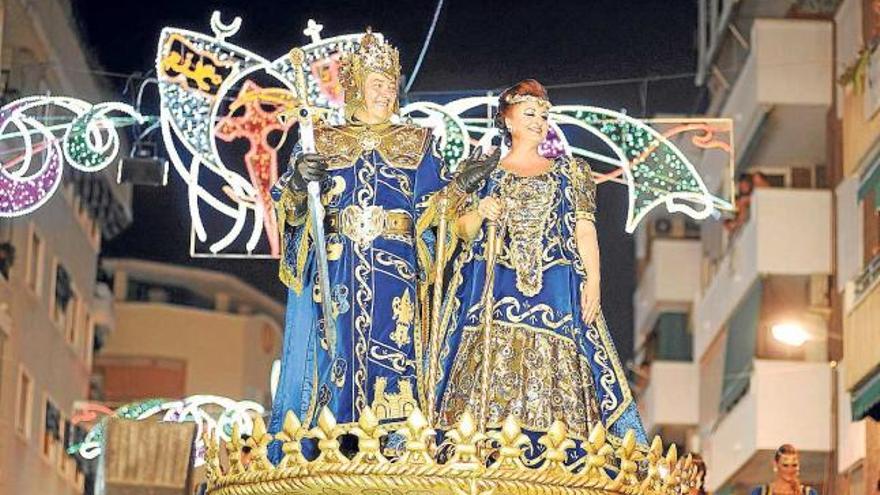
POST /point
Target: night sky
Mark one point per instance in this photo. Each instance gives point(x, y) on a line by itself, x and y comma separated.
point(478, 45)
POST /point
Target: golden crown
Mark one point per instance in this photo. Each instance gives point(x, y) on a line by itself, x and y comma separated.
point(514, 99)
point(372, 55)
point(467, 462)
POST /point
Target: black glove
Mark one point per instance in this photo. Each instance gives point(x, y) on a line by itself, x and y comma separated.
point(476, 168)
point(307, 167)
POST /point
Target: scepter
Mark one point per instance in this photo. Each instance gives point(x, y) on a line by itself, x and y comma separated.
point(488, 299)
point(437, 305)
point(304, 116)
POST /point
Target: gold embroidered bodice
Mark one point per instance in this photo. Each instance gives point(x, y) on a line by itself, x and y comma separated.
point(529, 203)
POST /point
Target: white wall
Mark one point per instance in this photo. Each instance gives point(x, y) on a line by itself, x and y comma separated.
point(790, 50)
point(849, 232)
point(670, 282)
point(764, 418)
point(782, 51)
point(789, 233)
point(794, 231)
point(672, 396)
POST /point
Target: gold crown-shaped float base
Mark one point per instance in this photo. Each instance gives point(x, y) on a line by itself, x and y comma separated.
point(467, 462)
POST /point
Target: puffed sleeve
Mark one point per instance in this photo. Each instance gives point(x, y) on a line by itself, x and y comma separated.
point(584, 190)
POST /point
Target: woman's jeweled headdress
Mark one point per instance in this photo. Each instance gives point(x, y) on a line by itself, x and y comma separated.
point(514, 99)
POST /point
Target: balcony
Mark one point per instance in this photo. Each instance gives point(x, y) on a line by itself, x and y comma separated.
point(779, 100)
point(671, 398)
point(861, 339)
point(788, 233)
point(669, 283)
point(787, 402)
point(852, 435)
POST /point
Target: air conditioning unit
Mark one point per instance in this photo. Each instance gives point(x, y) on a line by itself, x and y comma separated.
point(668, 227)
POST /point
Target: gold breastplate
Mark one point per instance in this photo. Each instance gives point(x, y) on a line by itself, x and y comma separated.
point(528, 203)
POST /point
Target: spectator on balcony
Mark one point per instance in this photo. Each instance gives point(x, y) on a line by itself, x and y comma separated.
point(745, 186)
point(786, 469)
point(759, 179)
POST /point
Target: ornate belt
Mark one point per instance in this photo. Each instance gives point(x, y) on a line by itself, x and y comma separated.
point(363, 225)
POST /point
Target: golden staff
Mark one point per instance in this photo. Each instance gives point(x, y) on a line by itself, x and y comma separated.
point(488, 298)
point(436, 306)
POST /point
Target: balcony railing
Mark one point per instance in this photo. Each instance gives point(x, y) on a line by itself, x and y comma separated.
point(670, 282)
point(787, 402)
point(861, 337)
point(672, 395)
point(788, 233)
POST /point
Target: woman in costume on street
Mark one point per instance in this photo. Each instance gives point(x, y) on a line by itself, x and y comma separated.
point(786, 475)
point(548, 353)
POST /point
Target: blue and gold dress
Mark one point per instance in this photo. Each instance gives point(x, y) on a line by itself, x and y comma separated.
point(545, 363)
point(768, 490)
point(378, 201)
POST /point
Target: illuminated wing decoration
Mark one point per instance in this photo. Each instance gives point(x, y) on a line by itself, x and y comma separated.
point(40, 133)
point(220, 107)
point(656, 170)
point(214, 92)
point(212, 413)
point(643, 157)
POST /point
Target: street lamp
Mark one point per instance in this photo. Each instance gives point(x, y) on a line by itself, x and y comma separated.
point(793, 334)
point(796, 335)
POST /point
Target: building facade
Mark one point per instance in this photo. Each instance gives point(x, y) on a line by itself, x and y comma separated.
point(51, 303)
point(185, 331)
point(735, 326)
point(857, 195)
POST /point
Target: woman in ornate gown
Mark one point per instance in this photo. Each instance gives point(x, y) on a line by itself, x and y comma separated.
point(550, 353)
point(786, 475)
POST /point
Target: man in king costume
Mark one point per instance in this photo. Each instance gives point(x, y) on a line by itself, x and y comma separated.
point(379, 187)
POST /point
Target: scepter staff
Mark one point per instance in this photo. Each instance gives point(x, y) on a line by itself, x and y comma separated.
point(437, 305)
point(305, 115)
point(488, 299)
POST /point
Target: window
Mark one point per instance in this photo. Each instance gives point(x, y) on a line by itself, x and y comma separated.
point(64, 301)
point(65, 461)
point(670, 339)
point(35, 262)
point(51, 430)
point(7, 250)
point(23, 404)
point(71, 322)
point(871, 227)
